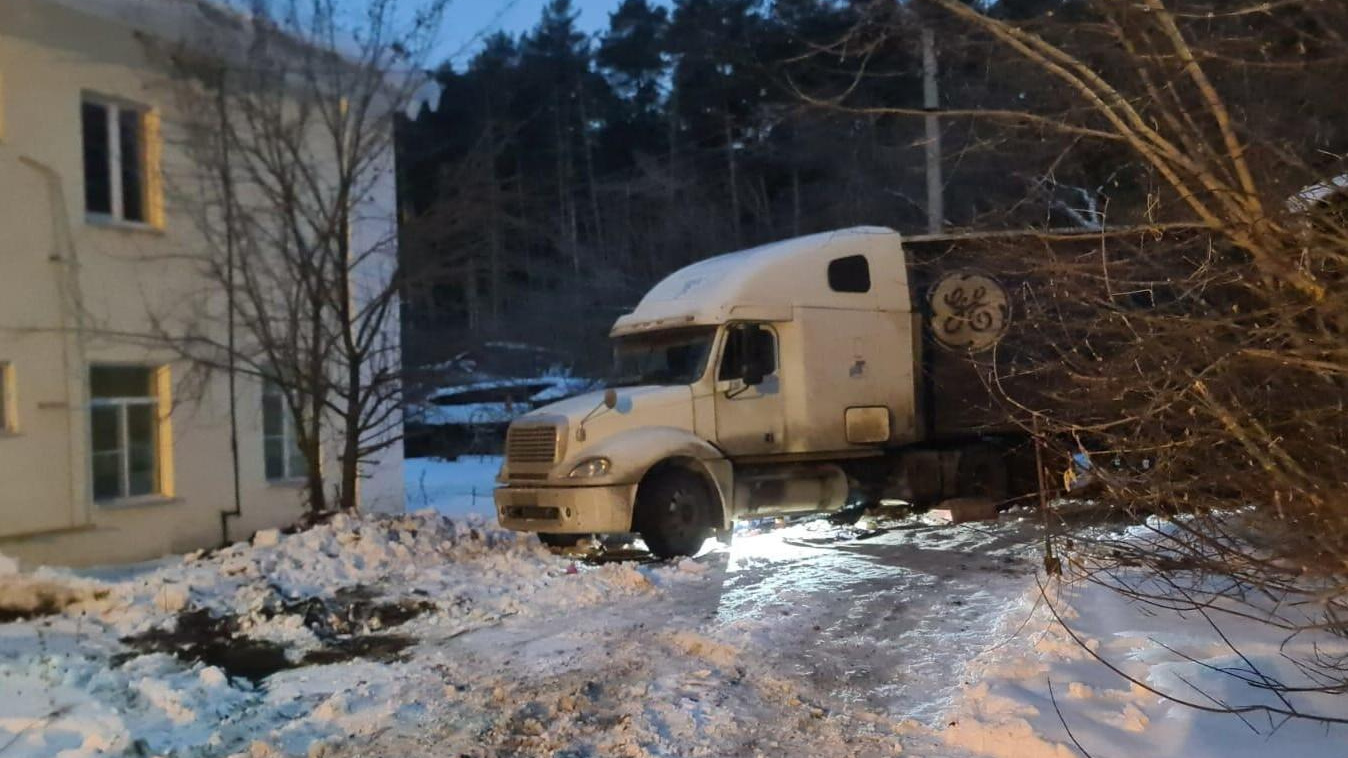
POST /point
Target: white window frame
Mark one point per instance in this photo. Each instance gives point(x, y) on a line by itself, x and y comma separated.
point(113, 109)
point(122, 406)
point(289, 438)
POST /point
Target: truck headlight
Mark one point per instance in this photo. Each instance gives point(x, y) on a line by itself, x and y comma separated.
point(590, 468)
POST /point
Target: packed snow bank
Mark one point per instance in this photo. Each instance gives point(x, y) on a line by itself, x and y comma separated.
point(298, 638)
point(461, 488)
point(1044, 677)
point(24, 596)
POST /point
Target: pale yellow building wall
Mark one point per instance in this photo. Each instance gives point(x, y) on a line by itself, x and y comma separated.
point(69, 292)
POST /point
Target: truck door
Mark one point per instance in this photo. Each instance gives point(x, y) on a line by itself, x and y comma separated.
point(749, 406)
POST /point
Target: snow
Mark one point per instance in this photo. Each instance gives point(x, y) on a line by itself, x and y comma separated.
point(460, 488)
point(1172, 660)
point(499, 400)
point(467, 414)
point(888, 638)
point(1309, 197)
point(72, 685)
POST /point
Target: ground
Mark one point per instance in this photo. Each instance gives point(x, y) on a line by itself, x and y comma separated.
point(419, 635)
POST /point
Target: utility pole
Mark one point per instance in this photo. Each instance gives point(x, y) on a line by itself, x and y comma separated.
point(931, 103)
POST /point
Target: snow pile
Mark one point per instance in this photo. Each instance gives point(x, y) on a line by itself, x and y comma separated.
point(25, 596)
point(1041, 686)
point(293, 638)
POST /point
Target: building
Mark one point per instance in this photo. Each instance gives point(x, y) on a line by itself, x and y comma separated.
point(112, 448)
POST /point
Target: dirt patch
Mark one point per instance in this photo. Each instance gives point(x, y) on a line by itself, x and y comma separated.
point(351, 610)
point(384, 648)
point(201, 637)
point(23, 598)
point(346, 624)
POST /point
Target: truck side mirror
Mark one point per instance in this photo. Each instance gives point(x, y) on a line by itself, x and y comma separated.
point(755, 361)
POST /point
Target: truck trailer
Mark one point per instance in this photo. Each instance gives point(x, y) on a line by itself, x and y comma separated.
point(797, 377)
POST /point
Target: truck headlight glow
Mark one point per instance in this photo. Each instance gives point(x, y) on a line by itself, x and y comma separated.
point(590, 468)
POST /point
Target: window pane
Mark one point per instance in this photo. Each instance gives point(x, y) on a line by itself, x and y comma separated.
point(274, 449)
point(140, 432)
point(106, 432)
point(850, 274)
point(142, 470)
point(131, 134)
point(273, 416)
point(121, 381)
point(733, 358)
point(764, 350)
point(107, 475)
point(298, 465)
point(97, 157)
point(140, 424)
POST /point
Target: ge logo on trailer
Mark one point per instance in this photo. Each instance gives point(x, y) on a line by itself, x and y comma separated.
point(969, 311)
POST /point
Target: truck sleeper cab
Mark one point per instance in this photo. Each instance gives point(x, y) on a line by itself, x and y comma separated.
point(767, 381)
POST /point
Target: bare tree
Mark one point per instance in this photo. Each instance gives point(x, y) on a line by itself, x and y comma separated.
point(288, 123)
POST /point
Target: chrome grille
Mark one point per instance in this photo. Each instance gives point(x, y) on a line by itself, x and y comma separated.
point(531, 444)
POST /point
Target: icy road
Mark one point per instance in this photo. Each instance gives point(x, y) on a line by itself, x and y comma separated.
point(809, 641)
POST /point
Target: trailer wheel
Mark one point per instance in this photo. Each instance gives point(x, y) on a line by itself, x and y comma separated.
point(672, 507)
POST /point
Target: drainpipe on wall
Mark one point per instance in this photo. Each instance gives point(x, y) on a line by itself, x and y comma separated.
point(227, 187)
point(71, 299)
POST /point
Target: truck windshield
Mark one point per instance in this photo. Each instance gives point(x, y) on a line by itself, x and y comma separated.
point(677, 356)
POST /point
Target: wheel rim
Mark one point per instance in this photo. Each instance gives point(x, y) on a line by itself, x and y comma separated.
point(681, 518)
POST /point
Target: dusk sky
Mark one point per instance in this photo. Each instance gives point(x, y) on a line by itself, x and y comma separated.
point(468, 20)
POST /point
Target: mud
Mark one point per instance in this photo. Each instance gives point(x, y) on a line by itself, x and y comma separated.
point(348, 624)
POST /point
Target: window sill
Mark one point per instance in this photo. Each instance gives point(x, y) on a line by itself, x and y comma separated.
point(102, 221)
point(140, 501)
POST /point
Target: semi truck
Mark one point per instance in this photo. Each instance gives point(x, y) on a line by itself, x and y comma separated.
point(797, 377)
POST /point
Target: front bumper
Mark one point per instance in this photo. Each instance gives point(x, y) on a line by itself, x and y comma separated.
point(566, 510)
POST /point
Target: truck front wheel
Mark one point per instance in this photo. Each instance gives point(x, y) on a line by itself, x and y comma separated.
point(672, 509)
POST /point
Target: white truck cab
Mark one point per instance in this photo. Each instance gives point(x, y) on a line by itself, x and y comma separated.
point(766, 381)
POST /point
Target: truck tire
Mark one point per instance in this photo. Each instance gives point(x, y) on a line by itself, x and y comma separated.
point(672, 512)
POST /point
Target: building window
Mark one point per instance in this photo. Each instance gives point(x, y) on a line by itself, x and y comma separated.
point(117, 160)
point(850, 274)
point(125, 431)
point(8, 419)
point(281, 447)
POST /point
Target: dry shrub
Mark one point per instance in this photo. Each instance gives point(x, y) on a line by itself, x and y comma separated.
point(1204, 370)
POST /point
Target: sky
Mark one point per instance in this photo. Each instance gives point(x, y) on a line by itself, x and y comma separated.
point(467, 21)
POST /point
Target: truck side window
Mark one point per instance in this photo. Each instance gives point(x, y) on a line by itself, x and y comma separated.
point(740, 345)
point(849, 274)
